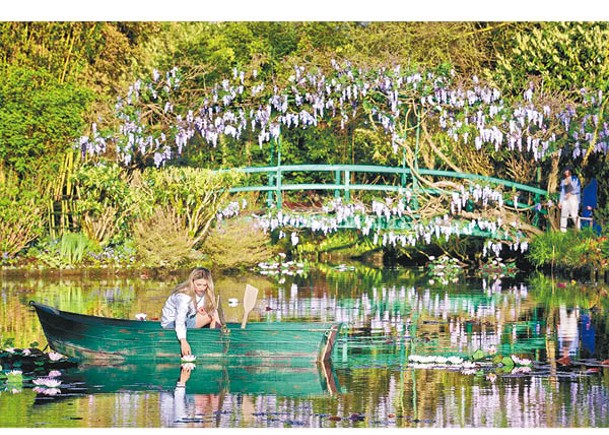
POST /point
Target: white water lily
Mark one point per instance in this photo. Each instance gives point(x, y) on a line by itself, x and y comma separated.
point(468, 365)
point(14, 374)
point(456, 360)
point(55, 356)
point(189, 358)
point(521, 361)
point(54, 374)
point(47, 382)
point(47, 391)
point(141, 316)
point(524, 370)
point(189, 366)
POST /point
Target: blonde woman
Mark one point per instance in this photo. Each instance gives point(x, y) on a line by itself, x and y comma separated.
point(191, 305)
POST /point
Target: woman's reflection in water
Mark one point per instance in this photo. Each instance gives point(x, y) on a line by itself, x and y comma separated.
point(178, 407)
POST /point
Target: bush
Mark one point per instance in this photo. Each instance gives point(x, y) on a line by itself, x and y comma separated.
point(236, 243)
point(70, 250)
point(573, 250)
point(20, 216)
point(103, 202)
point(193, 195)
point(163, 240)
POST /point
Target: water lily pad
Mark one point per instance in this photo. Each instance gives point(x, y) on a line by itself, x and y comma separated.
point(478, 355)
point(507, 361)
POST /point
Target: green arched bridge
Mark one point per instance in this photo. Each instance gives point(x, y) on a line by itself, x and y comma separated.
point(278, 181)
point(343, 180)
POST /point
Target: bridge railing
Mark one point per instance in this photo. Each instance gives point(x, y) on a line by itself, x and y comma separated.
point(277, 183)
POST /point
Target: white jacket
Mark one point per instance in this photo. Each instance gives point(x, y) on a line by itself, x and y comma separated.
point(177, 308)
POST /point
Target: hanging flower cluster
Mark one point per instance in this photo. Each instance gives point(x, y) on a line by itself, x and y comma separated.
point(480, 117)
point(244, 106)
point(392, 226)
point(483, 195)
point(233, 209)
point(147, 102)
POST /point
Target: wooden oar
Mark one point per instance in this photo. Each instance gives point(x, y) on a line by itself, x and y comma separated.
point(249, 301)
point(220, 312)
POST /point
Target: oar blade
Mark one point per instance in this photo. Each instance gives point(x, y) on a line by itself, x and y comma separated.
point(249, 302)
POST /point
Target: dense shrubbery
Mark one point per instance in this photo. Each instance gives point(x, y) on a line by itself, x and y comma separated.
point(152, 218)
point(20, 216)
point(583, 250)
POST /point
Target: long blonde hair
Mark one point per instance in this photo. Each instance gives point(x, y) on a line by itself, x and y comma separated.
point(188, 287)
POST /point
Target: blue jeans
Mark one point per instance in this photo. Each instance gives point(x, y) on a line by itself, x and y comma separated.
point(191, 322)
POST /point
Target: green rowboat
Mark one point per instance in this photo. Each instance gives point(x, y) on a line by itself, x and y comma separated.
point(102, 339)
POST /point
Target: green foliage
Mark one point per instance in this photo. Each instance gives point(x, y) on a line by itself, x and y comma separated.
point(573, 250)
point(174, 209)
point(445, 269)
point(496, 268)
point(551, 248)
point(73, 247)
point(194, 195)
point(237, 243)
point(104, 201)
point(20, 215)
point(69, 251)
point(550, 292)
point(557, 53)
point(55, 77)
point(162, 240)
point(349, 243)
point(101, 55)
point(478, 355)
point(39, 117)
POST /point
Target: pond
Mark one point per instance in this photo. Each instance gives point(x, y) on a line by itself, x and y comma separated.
point(415, 352)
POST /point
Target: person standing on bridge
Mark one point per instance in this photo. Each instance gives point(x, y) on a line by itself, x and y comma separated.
point(570, 192)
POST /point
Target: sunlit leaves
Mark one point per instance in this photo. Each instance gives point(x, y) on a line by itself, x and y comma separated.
point(39, 117)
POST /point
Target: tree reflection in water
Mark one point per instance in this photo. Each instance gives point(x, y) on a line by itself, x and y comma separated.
point(390, 315)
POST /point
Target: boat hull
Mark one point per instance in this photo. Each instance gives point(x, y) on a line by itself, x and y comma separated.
point(92, 338)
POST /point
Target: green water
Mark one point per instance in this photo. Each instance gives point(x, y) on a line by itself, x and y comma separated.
point(373, 381)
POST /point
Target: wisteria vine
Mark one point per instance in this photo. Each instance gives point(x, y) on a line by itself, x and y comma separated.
point(390, 224)
point(244, 104)
point(243, 107)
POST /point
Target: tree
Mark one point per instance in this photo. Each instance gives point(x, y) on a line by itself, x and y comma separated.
point(561, 56)
point(40, 118)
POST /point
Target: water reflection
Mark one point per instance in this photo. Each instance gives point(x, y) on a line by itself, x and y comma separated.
point(390, 316)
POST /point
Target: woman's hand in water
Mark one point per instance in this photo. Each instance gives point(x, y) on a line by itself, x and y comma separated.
point(185, 347)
